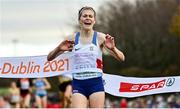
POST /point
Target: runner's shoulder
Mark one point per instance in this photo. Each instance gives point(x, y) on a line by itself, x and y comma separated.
point(101, 37)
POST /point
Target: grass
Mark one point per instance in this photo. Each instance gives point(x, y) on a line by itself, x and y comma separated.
point(4, 91)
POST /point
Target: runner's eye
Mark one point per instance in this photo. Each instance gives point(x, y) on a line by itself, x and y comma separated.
point(84, 15)
point(90, 16)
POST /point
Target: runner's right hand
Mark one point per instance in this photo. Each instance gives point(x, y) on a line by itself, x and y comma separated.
point(66, 45)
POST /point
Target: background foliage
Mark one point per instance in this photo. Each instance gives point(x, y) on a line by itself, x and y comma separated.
point(148, 34)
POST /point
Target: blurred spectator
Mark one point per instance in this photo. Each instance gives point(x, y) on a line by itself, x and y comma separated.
point(40, 85)
point(171, 101)
point(177, 104)
point(160, 103)
point(132, 104)
point(25, 85)
point(150, 102)
point(141, 103)
point(4, 103)
point(107, 103)
point(65, 90)
point(14, 95)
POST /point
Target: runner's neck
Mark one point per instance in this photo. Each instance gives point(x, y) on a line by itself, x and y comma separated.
point(85, 33)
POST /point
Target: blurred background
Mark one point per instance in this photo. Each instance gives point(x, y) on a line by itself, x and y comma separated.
point(147, 31)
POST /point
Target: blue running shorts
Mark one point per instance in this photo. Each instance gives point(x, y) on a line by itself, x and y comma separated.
point(88, 86)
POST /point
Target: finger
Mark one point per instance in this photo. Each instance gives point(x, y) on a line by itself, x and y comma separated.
point(72, 42)
point(112, 38)
point(65, 42)
point(69, 41)
point(108, 36)
point(70, 48)
point(71, 45)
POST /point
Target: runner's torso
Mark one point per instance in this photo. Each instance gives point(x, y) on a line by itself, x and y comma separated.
point(87, 58)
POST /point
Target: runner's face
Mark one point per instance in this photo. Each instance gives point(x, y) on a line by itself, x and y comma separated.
point(87, 20)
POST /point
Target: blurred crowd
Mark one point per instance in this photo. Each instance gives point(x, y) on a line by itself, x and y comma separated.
point(25, 93)
point(33, 93)
point(152, 101)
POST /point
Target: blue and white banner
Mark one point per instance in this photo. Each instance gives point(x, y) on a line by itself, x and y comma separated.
point(38, 66)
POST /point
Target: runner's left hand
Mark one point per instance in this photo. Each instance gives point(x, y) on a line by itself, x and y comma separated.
point(109, 42)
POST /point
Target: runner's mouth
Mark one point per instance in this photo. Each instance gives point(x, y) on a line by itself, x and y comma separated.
point(87, 23)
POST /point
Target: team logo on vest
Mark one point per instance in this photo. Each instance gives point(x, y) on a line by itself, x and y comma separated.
point(170, 82)
point(76, 49)
point(91, 48)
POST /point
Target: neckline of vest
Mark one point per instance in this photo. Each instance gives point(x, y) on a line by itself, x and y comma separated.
point(93, 40)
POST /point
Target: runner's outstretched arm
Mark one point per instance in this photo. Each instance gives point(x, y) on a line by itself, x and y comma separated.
point(66, 45)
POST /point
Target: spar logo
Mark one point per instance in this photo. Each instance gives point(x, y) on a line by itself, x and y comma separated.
point(131, 87)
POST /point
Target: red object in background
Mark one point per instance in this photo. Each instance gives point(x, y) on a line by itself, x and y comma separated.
point(123, 103)
point(54, 106)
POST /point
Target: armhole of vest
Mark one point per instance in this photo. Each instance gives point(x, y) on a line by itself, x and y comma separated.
point(77, 38)
point(94, 41)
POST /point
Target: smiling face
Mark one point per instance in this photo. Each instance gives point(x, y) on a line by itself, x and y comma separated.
point(87, 19)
